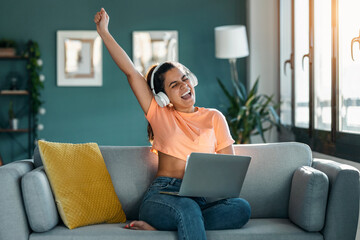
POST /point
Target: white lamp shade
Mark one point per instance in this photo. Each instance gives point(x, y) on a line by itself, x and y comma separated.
point(231, 42)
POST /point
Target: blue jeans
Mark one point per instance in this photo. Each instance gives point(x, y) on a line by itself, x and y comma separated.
point(190, 216)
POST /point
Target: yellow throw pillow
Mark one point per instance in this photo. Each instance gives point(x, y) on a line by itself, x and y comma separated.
point(81, 183)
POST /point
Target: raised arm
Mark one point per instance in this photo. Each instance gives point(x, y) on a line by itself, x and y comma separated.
point(137, 82)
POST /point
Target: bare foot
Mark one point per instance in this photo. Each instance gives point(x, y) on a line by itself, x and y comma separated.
point(139, 225)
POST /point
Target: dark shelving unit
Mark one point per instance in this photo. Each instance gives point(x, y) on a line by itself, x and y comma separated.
point(20, 93)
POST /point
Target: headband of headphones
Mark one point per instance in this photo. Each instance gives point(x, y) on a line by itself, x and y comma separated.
point(152, 77)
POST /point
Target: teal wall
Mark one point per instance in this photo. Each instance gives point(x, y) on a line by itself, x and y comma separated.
point(110, 115)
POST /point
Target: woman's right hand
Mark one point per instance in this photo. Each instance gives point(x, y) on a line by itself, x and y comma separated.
point(102, 21)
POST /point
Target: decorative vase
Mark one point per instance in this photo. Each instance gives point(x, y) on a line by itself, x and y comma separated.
point(14, 124)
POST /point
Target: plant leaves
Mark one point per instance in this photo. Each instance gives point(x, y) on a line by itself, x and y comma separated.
point(227, 94)
point(242, 90)
point(249, 111)
point(265, 105)
point(275, 116)
point(259, 127)
point(254, 89)
point(249, 102)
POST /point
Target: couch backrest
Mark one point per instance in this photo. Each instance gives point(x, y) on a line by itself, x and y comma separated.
point(268, 180)
point(132, 169)
point(266, 187)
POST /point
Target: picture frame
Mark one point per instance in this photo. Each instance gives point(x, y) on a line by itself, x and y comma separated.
point(79, 59)
point(152, 47)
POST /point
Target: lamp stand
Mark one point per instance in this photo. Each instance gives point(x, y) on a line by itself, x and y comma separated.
point(234, 73)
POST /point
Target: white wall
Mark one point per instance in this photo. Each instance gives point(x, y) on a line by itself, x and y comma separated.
point(262, 22)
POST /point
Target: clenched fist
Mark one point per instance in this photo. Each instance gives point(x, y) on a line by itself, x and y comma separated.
point(102, 21)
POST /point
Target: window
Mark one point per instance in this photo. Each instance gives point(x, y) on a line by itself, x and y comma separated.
point(319, 80)
point(301, 69)
point(322, 64)
point(285, 58)
point(349, 70)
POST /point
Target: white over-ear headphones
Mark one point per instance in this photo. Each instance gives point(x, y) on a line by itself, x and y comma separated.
point(161, 98)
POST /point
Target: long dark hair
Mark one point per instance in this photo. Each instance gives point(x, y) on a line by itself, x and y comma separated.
point(159, 79)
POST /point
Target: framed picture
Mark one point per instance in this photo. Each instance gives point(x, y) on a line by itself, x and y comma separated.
point(151, 47)
point(79, 59)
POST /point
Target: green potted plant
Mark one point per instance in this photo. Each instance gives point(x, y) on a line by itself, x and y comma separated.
point(250, 113)
point(34, 66)
point(7, 47)
point(14, 122)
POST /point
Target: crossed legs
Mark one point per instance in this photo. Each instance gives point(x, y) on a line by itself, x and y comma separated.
point(191, 217)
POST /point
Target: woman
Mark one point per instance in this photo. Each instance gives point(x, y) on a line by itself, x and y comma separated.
point(176, 128)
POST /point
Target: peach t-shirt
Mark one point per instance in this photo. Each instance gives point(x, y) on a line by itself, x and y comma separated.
point(178, 134)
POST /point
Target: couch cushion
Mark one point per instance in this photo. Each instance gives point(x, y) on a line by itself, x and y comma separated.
point(81, 184)
point(39, 201)
point(255, 229)
point(268, 180)
point(132, 169)
point(309, 192)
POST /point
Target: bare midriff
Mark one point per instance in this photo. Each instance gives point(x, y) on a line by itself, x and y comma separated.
point(170, 166)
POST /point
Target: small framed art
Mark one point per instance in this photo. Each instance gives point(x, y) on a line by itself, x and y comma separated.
point(79, 59)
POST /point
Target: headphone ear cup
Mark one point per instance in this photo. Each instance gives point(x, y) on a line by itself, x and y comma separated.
point(193, 79)
point(161, 99)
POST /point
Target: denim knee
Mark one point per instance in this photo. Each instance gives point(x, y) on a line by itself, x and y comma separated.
point(187, 209)
point(243, 209)
point(187, 204)
point(165, 212)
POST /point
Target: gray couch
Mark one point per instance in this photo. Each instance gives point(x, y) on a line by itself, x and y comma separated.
point(291, 195)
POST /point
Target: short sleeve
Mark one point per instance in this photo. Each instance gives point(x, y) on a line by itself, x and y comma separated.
point(152, 110)
point(222, 132)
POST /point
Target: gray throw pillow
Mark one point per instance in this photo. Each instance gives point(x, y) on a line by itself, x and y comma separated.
point(39, 201)
point(308, 198)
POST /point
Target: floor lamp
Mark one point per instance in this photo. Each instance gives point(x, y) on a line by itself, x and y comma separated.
point(231, 43)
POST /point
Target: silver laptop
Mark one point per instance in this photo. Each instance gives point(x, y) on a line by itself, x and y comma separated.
point(213, 175)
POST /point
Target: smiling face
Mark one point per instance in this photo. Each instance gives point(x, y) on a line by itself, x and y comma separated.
point(179, 90)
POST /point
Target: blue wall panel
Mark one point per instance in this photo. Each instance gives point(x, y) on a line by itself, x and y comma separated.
point(110, 115)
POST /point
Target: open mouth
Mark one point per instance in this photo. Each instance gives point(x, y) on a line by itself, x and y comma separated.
point(186, 95)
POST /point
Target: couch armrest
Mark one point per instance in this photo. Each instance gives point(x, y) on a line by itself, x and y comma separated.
point(13, 220)
point(342, 211)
